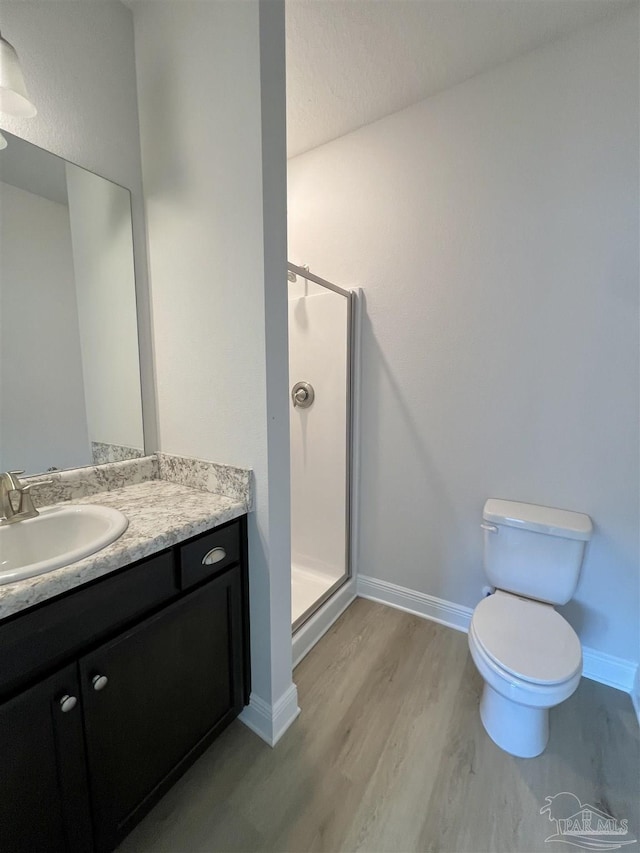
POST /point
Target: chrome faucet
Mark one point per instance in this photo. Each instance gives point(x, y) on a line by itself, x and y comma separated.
point(10, 484)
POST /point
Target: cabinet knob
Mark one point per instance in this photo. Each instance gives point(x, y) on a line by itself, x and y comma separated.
point(99, 682)
point(68, 703)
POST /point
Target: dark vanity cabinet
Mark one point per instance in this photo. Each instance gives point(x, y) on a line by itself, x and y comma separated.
point(168, 683)
point(148, 665)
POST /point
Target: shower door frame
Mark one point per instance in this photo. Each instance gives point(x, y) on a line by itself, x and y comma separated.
point(350, 296)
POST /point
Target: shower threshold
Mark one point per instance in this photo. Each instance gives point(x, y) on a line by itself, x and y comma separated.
point(309, 591)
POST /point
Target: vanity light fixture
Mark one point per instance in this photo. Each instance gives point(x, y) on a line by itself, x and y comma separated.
point(14, 99)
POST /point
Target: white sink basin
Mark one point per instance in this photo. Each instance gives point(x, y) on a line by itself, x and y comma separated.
point(58, 536)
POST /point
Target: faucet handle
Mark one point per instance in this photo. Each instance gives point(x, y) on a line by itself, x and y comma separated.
point(15, 473)
point(30, 486)
point(27, 507)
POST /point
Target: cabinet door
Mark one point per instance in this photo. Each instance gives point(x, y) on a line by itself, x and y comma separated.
point(43, 784)
point(155, 697)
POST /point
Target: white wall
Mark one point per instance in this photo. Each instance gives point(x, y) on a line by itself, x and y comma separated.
point(494, 229)
point(40, 359)
point(100, 218)
point(318, 354)
point(79, 67)
point(211, 92)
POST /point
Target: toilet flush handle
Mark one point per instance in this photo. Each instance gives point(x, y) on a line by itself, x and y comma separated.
point(491, 528)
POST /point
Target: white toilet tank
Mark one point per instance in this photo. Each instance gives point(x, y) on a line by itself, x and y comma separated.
point(535, 551)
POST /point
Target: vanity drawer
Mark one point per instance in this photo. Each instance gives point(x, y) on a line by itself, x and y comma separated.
point(209, 555)
point(37, 641)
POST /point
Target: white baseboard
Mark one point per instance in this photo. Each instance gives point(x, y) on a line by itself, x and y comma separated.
point(419, 603)
point(317, 626)
point(270, 722)
point(598, 666)
point(607, 669)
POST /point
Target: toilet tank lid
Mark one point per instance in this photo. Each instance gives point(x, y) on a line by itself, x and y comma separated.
point(541, 519)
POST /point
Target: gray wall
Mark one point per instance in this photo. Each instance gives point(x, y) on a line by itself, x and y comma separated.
point(211, 84)
point(103, 261)
point(494, 229)
point(43, 418)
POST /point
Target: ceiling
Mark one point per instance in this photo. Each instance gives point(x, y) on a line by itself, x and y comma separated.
point(351, 62)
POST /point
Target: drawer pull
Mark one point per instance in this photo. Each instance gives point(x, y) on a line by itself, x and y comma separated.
point(213, 556)
point(67, 703)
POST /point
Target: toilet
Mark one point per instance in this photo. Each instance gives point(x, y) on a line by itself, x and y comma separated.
point(528, 655)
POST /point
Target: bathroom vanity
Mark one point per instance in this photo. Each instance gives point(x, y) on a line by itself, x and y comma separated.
point(111, 688)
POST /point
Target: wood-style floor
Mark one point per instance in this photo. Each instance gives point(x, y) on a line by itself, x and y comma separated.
point(389, 754)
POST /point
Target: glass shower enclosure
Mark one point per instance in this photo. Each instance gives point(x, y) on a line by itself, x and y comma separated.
point(321, 318)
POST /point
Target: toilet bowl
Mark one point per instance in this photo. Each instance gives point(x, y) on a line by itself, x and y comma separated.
point(531, 660)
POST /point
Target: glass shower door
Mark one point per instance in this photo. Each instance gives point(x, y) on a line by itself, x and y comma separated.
point(320, 425)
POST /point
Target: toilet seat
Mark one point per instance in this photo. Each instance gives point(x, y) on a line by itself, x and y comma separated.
point(526, 638)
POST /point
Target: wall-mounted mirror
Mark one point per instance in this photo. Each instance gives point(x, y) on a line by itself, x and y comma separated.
point(69, 363)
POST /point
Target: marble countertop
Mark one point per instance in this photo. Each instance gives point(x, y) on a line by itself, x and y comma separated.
point(160, 514)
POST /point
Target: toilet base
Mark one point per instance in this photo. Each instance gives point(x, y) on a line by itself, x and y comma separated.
point(518, 729)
